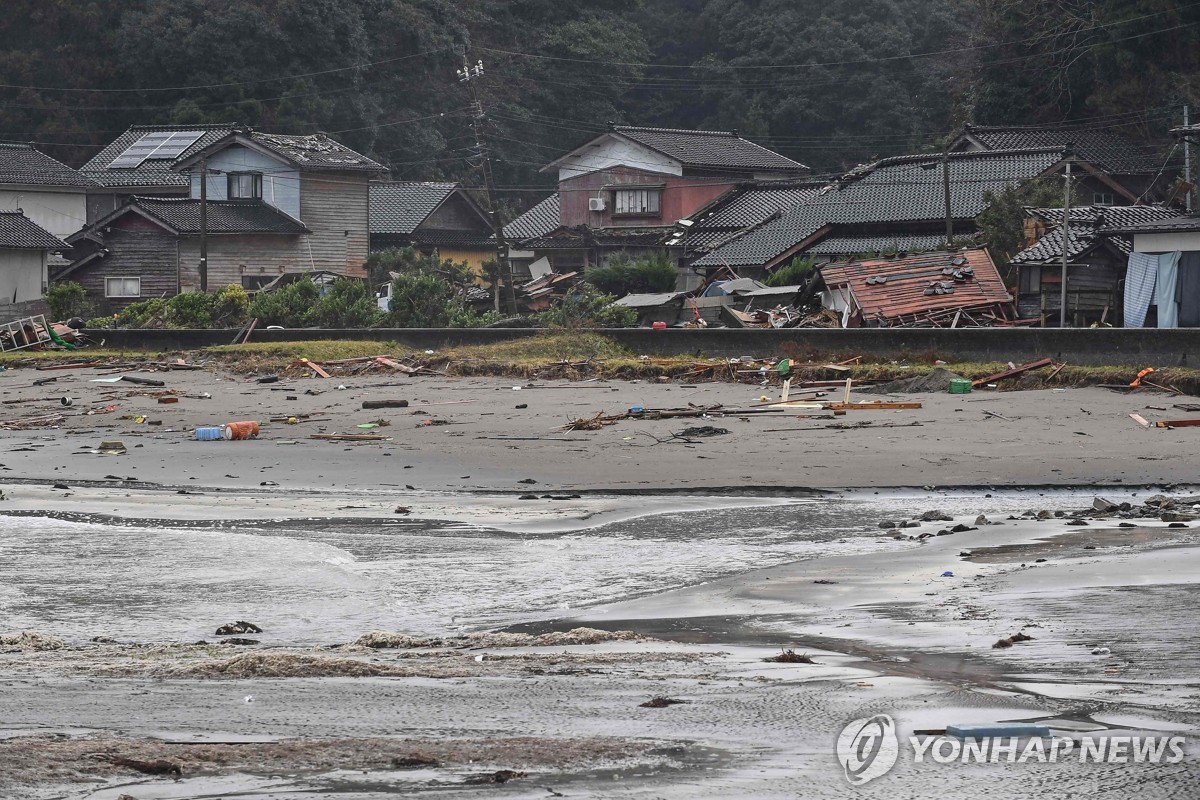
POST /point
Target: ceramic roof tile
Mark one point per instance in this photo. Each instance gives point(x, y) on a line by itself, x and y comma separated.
point(400, 207)
point(712, 149)
point(17, 231)
point(1090, 226)
point(23, 165)
point(316, 152)
point(1097, 146)
point(224, 216)
point(540, 220)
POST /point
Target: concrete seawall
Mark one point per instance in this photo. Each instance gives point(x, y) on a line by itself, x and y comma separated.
point(1133, 347)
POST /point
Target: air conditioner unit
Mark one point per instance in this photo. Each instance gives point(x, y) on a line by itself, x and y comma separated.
point(597, 204)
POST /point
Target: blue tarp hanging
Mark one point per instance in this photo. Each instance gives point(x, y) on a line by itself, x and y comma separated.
point(1140, 279)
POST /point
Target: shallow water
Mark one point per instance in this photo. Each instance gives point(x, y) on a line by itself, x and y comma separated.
point(327, 581)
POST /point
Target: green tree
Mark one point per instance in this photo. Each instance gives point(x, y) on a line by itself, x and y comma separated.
point(421, 300)
point(585, 306)
point(289, 307)
point(624, 275)
point(346, 303)
point(66, 299)
point(1002, 224)
point(793, 273)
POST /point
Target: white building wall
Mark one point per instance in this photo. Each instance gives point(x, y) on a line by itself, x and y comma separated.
point(22, 275)
point(280, 184)
point(61, 213)
point(1166, 242)
point(613, 151)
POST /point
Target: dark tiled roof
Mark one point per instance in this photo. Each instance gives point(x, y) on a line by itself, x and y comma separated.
point(316, 152)
point(19, 232)
point(157, 172)
point(22, 165)
point(1097, 146)
point(448, 238)
point(713, 149)
point(1183, 224)
point(741, 209)
point(850, 244)
point(399, 207)
point(1090, 227)
point(581, 238)
point(224, 216)
point(540, 220)
point(901, 189)
point(903, 293)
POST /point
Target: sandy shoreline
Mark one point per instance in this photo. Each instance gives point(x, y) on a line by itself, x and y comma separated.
point(1066, 438)
point(887, 630)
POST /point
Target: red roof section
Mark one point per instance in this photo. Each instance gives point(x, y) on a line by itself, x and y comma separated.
point(907, 278)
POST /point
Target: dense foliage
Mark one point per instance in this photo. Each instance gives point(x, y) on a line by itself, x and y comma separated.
point(828, 82)
point(624, 275)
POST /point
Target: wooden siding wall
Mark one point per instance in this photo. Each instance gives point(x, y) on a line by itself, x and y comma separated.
point(231, 257)
point(151, 256)
point(335, 207)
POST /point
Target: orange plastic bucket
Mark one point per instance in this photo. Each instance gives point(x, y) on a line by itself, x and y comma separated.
point(241, 430)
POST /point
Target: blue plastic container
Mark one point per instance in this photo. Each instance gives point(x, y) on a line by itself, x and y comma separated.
point(208, 434)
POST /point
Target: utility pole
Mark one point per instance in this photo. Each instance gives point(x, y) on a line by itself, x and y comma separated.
point(946, 192)
point(1187, 160)
point(204, 224)
point(468, 75)
point(1066, 246)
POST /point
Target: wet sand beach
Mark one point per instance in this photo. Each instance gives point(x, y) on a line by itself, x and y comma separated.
point(706, 556)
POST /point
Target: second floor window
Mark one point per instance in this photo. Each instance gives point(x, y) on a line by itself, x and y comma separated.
point(245, 186)
point(637, 201)
point(1103, 199)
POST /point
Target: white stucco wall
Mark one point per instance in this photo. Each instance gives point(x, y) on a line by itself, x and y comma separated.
point(1166, 242)
point(280, 184)
point(22, 275)
point(613, 151)
point(61, 213)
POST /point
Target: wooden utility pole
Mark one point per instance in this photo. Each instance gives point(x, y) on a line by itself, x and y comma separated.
point(204, 224)
point(468, 75)
point(1187, 159)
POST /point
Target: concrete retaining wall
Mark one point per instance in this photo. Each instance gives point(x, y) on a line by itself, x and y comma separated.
point(1133, 347)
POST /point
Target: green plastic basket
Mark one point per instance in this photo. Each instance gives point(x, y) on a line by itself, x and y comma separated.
point(960, 386)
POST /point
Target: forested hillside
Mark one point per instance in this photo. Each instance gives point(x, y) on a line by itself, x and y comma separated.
point(828, 82)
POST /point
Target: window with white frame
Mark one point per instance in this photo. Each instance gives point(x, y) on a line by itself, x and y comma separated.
point(636, 201)
point(122, 287)
point(1103, 199)
point(245, 185)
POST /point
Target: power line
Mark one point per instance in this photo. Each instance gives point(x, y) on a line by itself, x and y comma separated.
point(193, 87)
point(867, 61)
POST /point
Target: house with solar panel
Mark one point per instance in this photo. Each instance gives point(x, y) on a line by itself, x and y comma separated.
point(435, 218)
point(260, 204)
point(630, 189)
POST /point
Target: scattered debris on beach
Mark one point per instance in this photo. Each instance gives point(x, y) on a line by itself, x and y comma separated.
point(790, 657)
point(662, 702)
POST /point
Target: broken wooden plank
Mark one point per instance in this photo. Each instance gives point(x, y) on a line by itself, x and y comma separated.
point(1178, 423)
point(387, 362)
point(1012, 373)
point(348, 437)
point(869, 406)
point(82, 365)
point(1140, 420)
point(315, 367)
point(1193, 407)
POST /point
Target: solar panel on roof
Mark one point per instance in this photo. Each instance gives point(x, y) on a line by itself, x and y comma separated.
point(158, 145)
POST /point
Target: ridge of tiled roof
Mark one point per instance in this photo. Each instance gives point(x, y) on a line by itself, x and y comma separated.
point(745, 207)
point(399, 207)
point(19, 232)
point(150, 173)
point(224, 216)
point(25, 165)
point(899, 189)
point(711, 149)
point(540, 220)
point(1098, 146)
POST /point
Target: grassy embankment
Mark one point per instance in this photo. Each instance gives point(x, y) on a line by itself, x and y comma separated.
point(584, 355)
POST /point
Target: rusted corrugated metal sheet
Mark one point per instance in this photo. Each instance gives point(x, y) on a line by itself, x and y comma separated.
point(898, 285)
